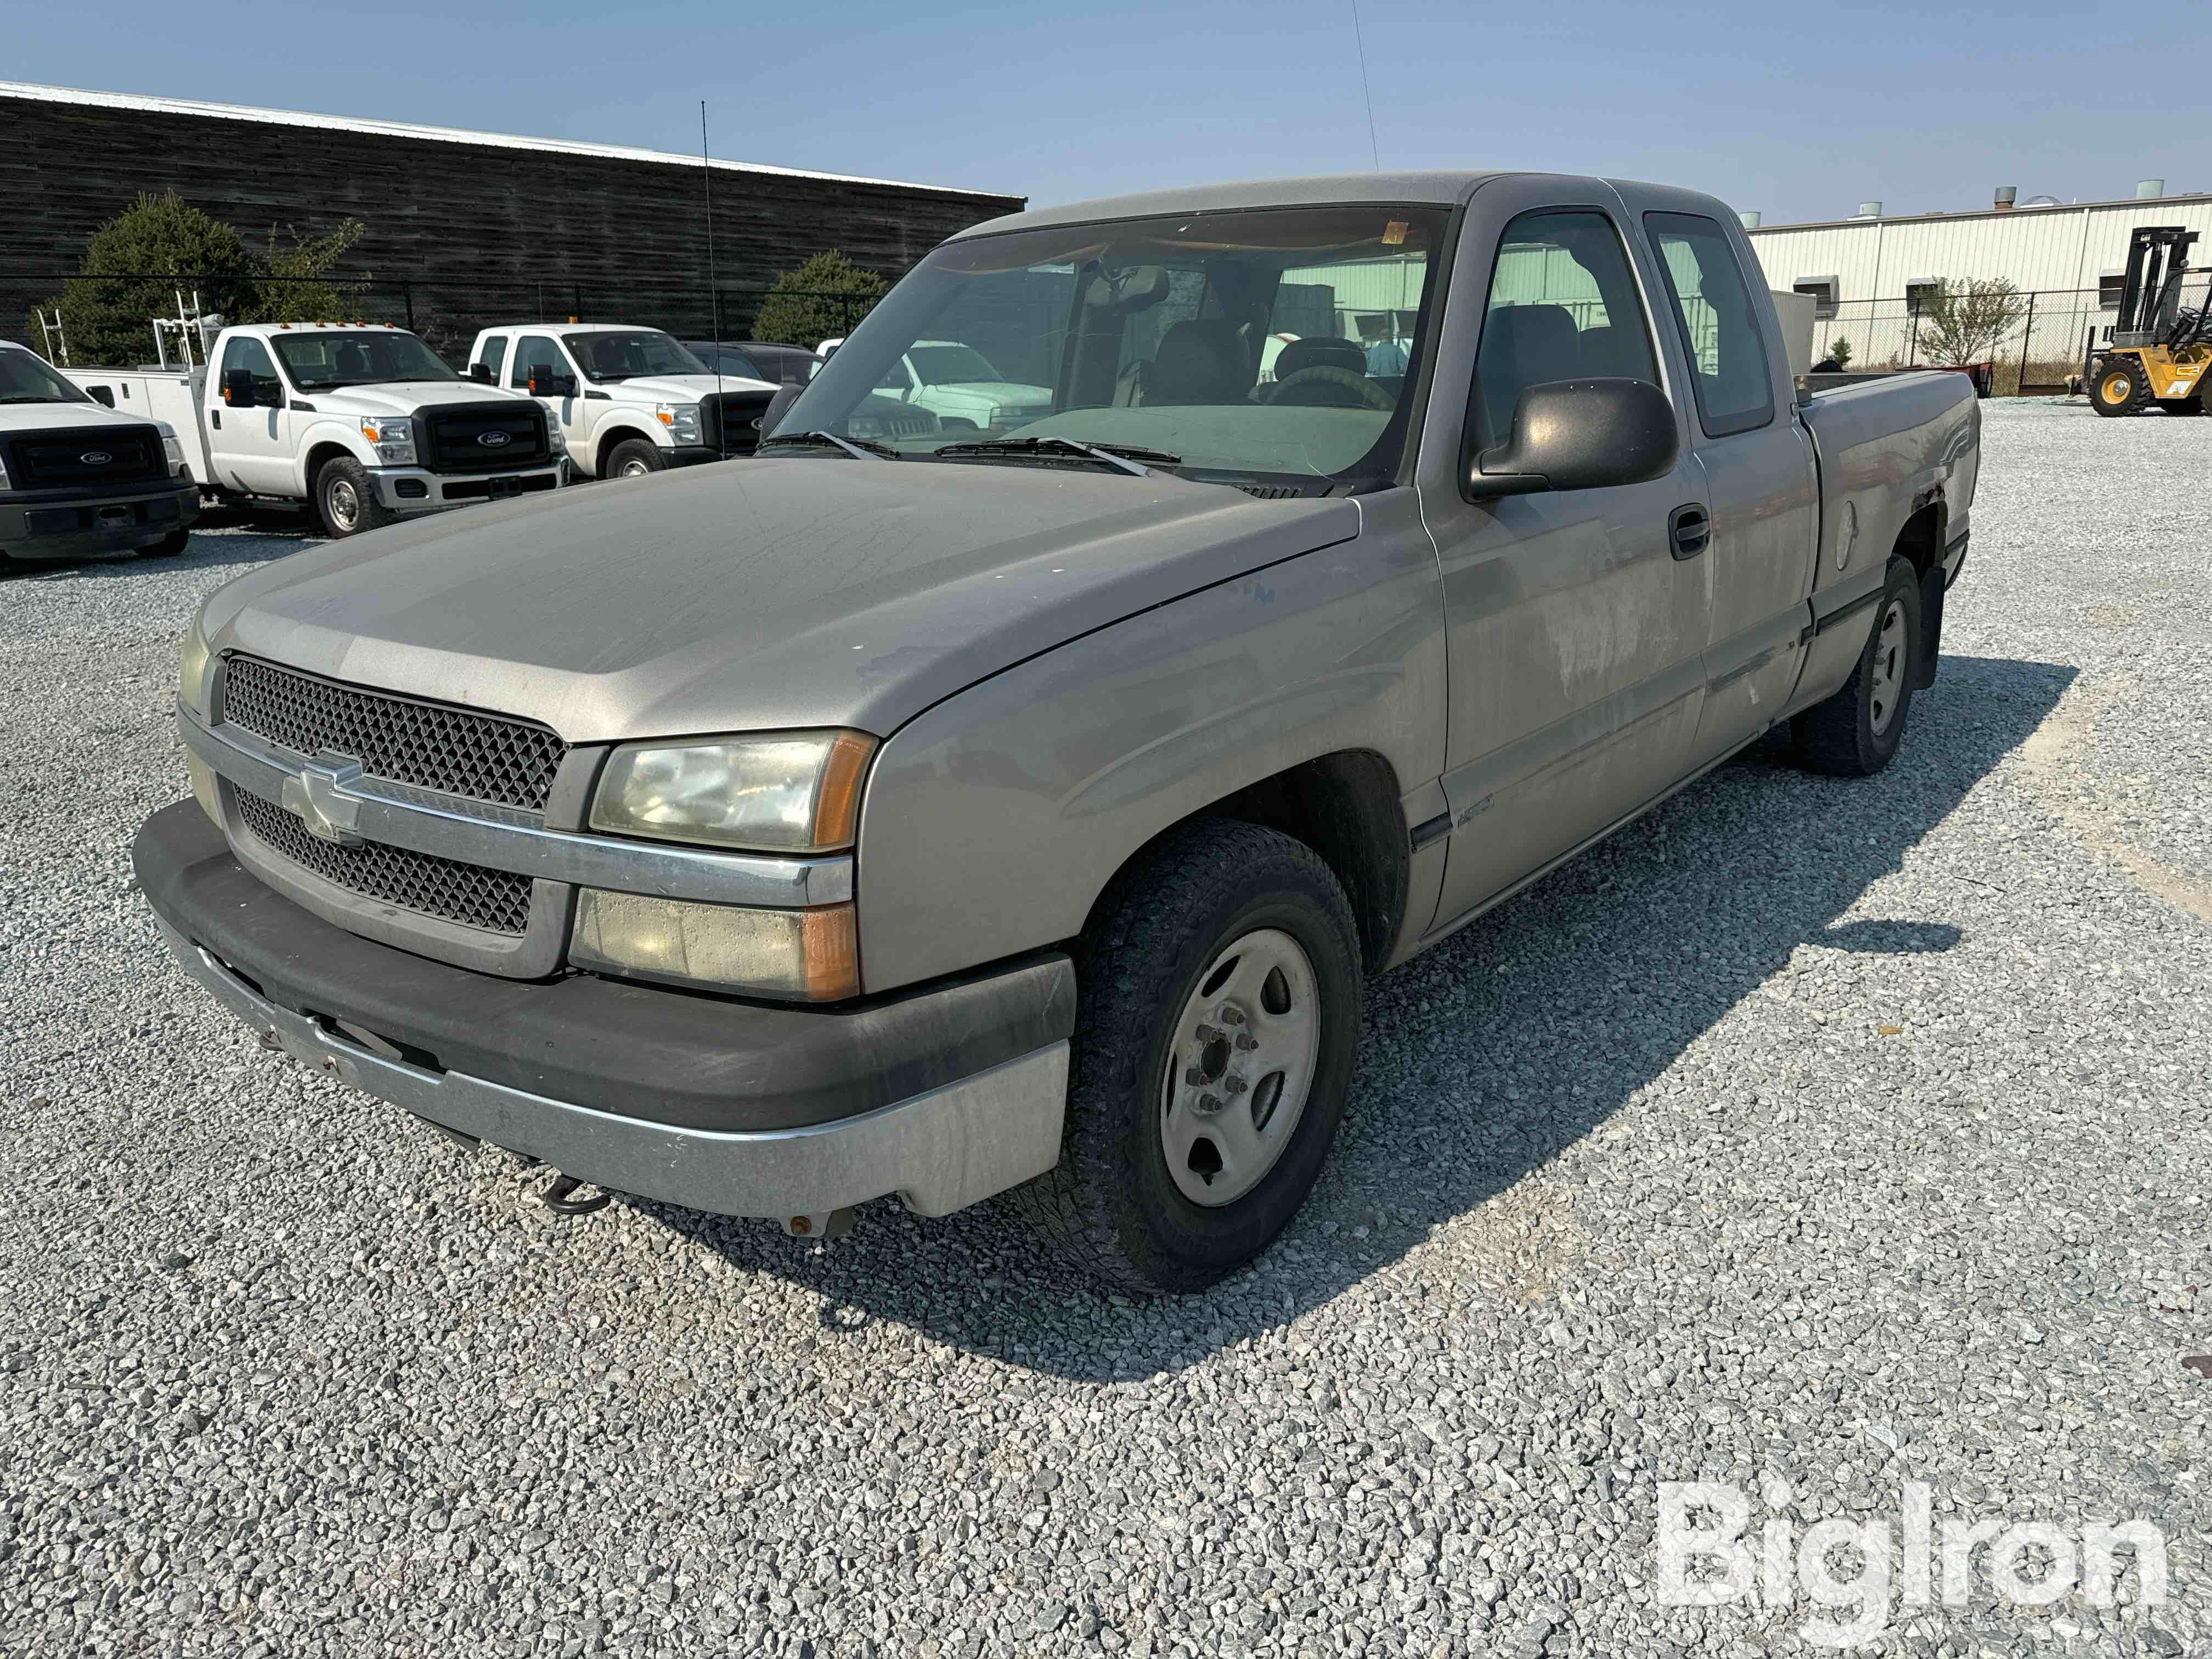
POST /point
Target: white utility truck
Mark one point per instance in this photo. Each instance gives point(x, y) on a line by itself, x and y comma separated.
point(361, 420)
point(629, 400)
point(79, 481)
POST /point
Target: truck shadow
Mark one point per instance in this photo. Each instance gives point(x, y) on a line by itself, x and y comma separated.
point(1482, 1058)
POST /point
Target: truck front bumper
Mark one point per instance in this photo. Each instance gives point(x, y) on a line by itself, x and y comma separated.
point(943, 1098)
point(409, 490)
point(58, 525)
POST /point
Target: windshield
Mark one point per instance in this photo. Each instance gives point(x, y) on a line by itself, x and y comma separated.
point(26, 379)
point(1276, 342)
point(317, 363)
point(625, 354)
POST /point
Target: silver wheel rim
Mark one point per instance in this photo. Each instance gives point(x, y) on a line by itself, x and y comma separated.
point(1888, 682)
point(1240, 1068)
point(345, 505)
point(633, 468)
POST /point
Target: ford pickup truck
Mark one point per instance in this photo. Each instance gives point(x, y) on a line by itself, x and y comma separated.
point(78, 480)
point(359, 421)
point(963, 811)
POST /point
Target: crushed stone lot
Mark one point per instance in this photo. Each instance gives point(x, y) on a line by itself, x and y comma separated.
point(1815, 1136)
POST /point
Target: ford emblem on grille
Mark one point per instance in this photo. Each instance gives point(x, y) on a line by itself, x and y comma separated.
point(95, 458)
point(494, 440)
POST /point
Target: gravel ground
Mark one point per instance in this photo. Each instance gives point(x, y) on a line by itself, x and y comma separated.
point(1828, 1134)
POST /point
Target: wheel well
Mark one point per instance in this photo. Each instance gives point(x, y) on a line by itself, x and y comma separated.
point(603, 444)
point(1345, 806)
point(1921, 540)
point(317, 458)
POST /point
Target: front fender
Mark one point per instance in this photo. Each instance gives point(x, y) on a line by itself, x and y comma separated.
point(993, 821)
point(322, 431)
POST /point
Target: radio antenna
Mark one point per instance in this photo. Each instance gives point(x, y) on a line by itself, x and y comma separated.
point(1366, 91)
point(713, 286)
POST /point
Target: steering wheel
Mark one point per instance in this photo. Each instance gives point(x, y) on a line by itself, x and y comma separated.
point(1350, 390)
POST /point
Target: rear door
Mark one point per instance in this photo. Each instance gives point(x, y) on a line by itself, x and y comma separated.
point(251, 449)
point(1755, 463)
point(1576, 637)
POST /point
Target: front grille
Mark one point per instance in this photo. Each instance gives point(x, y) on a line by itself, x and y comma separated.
point(489, 757)
point(496, 901)
point(87, 457)
point(453, 434)
point(730, 421)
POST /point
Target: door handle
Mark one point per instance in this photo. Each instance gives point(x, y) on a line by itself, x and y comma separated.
point(215, 418)
point(1688, 529)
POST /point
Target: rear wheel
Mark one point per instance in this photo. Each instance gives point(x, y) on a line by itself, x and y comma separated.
point(1855, 732)
point(1213, 1047)
point(345, 500)
point(2119, 388)
point(633, 457)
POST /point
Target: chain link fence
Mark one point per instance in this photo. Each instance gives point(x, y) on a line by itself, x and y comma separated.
point(2038, 350)
point(448, 314)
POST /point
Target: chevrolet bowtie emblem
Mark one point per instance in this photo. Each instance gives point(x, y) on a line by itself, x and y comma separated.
point(319, 796)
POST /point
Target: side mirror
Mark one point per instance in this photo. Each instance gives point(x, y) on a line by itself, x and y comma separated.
point(783, 399)
point(545, 382)
point(1579, 434)
point(480, 373)
point(101, 394)
point(238, 387)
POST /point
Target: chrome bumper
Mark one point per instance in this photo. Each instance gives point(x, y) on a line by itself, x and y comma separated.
point(938, 1151)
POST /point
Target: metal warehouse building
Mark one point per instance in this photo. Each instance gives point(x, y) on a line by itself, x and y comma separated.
point(1869, 273)
point(464, 228)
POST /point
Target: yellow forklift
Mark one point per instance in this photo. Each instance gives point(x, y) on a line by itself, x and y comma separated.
point(2158, 350)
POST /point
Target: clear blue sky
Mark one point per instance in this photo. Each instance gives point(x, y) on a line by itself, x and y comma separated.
point(1799, 110)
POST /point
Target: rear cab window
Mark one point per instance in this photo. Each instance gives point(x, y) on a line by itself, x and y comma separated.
point(1719, 323)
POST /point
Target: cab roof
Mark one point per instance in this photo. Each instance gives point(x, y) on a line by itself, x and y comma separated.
point(1442, 189)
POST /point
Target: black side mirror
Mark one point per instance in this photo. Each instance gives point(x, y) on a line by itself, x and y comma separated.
point(783, 399)
point(545, 382)
point(1579, 434)
point(480, 373)
point(101, 394)
point(238, 387)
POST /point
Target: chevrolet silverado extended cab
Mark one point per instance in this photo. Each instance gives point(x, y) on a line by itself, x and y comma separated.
point(964, 810)
point(629, 400)
point(78, 480)
point(360, 422)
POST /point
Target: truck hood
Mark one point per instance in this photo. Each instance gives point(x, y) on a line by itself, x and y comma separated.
point(758, 594)
point(57, 417)
point(996, 394)
point(403, 397)
point(679, 388)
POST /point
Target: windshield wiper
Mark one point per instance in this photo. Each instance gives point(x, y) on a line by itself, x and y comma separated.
point(859, 448)
point(1125, 457)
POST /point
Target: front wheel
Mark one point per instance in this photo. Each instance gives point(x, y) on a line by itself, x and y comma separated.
point(1220, 985)
point(1854, 733)
point(346, 501)
point(2120, 387)
point(633, 458)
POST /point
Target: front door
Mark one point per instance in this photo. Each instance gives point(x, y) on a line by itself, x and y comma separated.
point(1576, 635)
point(250, 449)
point(538, 354)
point(1757, 464)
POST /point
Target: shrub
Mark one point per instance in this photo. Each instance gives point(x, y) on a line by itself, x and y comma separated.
point(823, 298)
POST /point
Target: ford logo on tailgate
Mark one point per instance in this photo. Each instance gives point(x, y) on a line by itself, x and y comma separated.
point(95, 458)
point(495, 439)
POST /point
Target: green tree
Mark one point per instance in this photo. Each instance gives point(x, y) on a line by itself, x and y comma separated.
point(1963, 322)
point(1840, 349)
point(823, 298)
point(291, 289)
point(132, 266)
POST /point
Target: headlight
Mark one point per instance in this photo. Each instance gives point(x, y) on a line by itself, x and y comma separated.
point(172, 449)
point(192, 670)
point(682, 420)
point(394, 438)
point(810, 956)
point(4, 472)
point(556, 440)
point(796, 792)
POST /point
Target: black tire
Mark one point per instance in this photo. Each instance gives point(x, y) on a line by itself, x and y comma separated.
point(1854, 733)
point(1112, 1207)
point(2119, 388)
point(346, 502)
point(168, 547)
point(633, 457)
